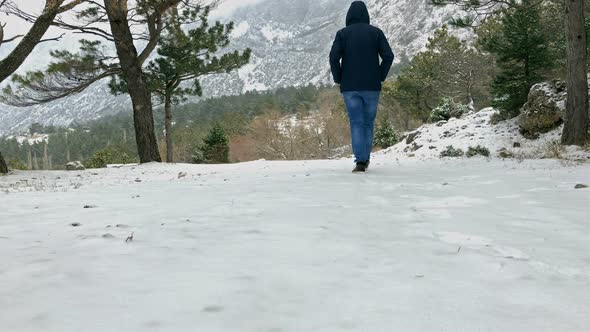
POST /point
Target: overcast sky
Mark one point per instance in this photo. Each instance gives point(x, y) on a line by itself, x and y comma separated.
point(15, 26)
point(39, 58)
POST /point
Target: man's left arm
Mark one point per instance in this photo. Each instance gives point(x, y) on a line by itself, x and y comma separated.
point(386, 54)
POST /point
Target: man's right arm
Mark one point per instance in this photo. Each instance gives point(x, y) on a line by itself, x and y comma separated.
point(335, 57)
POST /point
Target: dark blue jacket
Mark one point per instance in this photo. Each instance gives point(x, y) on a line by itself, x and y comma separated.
point(359, 46)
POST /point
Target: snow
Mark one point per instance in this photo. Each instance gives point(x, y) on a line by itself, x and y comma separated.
point(436, 245)
point(475, 129)
point(249, 76)
point(240, 30)
point(30, 139)
point(271, 33)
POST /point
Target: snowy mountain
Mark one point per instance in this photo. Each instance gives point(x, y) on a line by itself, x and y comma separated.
point(290, 42)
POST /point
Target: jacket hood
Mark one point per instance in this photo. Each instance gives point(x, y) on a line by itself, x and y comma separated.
point(357, 13)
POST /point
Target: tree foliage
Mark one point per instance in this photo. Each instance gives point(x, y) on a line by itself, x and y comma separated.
point(216, 146)
point(110, 155)
point(446, 110)
point(385, 135)
point(517, 40)
point(448, 67)
point(71, 73)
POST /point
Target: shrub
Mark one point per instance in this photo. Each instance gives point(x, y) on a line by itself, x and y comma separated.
point(17, 164)
point(477, 151)
point(451, 152)
point(386, 136)
point(110, 155)
point(553, 150)
point(198, 157)
point(216, 148)
point(446, 110)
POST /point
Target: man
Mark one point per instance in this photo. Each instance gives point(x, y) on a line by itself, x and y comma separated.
point(360, 76)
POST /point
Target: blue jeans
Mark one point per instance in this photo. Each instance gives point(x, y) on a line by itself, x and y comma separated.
point(362, 111)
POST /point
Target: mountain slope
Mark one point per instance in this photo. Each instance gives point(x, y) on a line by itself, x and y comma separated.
point(290, 42)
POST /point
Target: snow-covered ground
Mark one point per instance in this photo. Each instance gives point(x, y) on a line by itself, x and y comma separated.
point(475, 129)
point(439, 245)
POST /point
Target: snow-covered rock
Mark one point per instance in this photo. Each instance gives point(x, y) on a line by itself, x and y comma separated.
point(545, 108)
point(75, 166)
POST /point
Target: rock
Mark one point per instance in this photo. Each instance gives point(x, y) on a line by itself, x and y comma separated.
point(544, 110)
point(89, 206)
point(108, 236)
point(412, 148)
point(181, 175)
point(516, 145)
point(75, 166)
point(441, 123)
point(75, 224)
point(581, 186)
point(505, 154)
point(412, 136)
point(448, 134)
point(432, 147)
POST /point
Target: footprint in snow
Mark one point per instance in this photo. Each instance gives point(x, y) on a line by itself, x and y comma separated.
point(478, 243)
point(213, 308)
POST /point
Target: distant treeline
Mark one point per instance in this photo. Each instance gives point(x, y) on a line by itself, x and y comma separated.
point(82, 141)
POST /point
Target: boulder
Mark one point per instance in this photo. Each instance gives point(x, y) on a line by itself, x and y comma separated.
point(75, 166)
point(412, 136)
point(505, 154)
point(544, 110)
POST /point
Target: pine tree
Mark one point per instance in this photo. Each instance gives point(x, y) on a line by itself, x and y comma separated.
point(522, 57)
point(216, 148)
point(448, 67)
point(184, 56)
point(385, 135)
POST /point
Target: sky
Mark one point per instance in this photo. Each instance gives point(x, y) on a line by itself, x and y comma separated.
point(38, 58)
point(15, 26)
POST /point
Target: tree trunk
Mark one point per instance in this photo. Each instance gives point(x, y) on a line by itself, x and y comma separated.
point(16, 58)
point(168, 121)
point(3, 166)
point(575, 131)
point(143, 118)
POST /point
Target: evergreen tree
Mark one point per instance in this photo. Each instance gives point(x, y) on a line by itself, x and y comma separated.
point(216, 148)
point(184, 56)
point(575, 30)
point(385, 135)
point(71, 73)
point(448, 67)
point(522, 56)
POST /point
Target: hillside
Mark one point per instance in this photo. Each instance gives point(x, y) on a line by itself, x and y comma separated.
point(503, 140)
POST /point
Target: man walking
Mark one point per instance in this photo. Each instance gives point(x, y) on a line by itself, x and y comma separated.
point(360, 75)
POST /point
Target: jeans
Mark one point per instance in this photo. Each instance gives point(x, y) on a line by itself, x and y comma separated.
point(362, 111)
